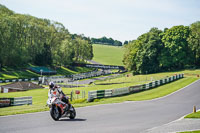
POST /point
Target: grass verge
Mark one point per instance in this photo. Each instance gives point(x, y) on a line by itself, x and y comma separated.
point(198, 131)
point(193, 115)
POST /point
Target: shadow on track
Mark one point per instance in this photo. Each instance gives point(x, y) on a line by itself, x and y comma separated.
point(78, 119)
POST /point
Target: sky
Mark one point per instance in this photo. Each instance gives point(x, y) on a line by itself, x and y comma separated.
point(119, 19)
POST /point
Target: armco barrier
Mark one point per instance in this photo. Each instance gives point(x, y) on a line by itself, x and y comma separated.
point(100, 66)
point(99, 94)
point(74, 77)
point(120, 91)
point(127, 90)
point(20, 101)
point(89, 75)
point(136, 88)
point(4, 102)
point(17, 80)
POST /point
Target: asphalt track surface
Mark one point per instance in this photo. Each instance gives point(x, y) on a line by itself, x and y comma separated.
point(127, 117)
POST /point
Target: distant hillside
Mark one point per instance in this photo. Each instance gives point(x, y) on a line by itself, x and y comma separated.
point(108, 55)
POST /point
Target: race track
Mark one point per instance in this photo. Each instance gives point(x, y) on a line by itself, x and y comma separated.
point(127, 117)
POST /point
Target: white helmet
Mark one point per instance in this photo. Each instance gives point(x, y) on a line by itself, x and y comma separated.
point(51, 85)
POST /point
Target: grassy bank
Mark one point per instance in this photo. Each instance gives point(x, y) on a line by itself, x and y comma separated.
point(40, 95)
point(193, 115)
point(108, 55)
point(10, 73)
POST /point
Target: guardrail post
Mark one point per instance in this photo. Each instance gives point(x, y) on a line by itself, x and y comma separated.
point(194, 109)
point(71, 95)
point(147, 86)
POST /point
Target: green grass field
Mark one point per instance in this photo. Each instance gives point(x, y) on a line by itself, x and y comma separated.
point(108, 55)
point(40, 95)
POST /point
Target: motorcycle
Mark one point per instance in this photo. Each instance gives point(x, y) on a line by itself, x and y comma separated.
point(59, 109)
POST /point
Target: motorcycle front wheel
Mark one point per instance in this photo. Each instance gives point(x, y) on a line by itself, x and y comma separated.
point(55, 113)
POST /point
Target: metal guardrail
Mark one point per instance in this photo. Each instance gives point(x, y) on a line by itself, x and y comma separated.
point(4, 102)
point(100, 66)
point(99, 94)
point(131, 89)
point(89, 75)
point(17, 80)
point(74, 77)
point(81, 76)
point(21, 101)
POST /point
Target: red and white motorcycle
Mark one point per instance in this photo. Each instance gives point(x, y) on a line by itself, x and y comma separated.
point(60, 109)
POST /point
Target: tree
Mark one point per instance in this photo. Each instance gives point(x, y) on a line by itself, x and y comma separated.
point(66, 53)
point(125, 42)
point(194, 42)
point(130, 55)
point(148, 56)
point(82, 49)
point(177, 52)
point(106, 41)
point(143, 54)
point(117, 43)
point(44, 58)
point(26, 39)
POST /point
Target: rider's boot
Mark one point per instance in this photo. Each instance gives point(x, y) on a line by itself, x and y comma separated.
point(70, 107)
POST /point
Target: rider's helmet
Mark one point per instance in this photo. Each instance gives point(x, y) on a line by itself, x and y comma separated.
point(51, 85)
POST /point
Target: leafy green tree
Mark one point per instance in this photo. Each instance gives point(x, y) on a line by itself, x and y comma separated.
point(26, 39)
point(130, 55)
point(177, 52)
point(82, 49)
point(154, 51)
point(44, 58)
point(66, 53)
point(125, 42)
point(106, 41)
point(148, 55)
point(143, 54)
point(194, 41)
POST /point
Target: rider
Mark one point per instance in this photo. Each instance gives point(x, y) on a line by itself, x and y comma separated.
point(56, 90)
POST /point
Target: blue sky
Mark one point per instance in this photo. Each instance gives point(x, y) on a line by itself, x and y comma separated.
point(119, 19)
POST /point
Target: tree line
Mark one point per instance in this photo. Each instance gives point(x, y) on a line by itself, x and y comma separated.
point(25, 39)
point(167, 50)
point(106, 41)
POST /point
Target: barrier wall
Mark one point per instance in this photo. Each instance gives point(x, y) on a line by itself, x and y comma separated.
point(131, 89)
point(18, 80)
point(4, 102)
point(52, 78)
